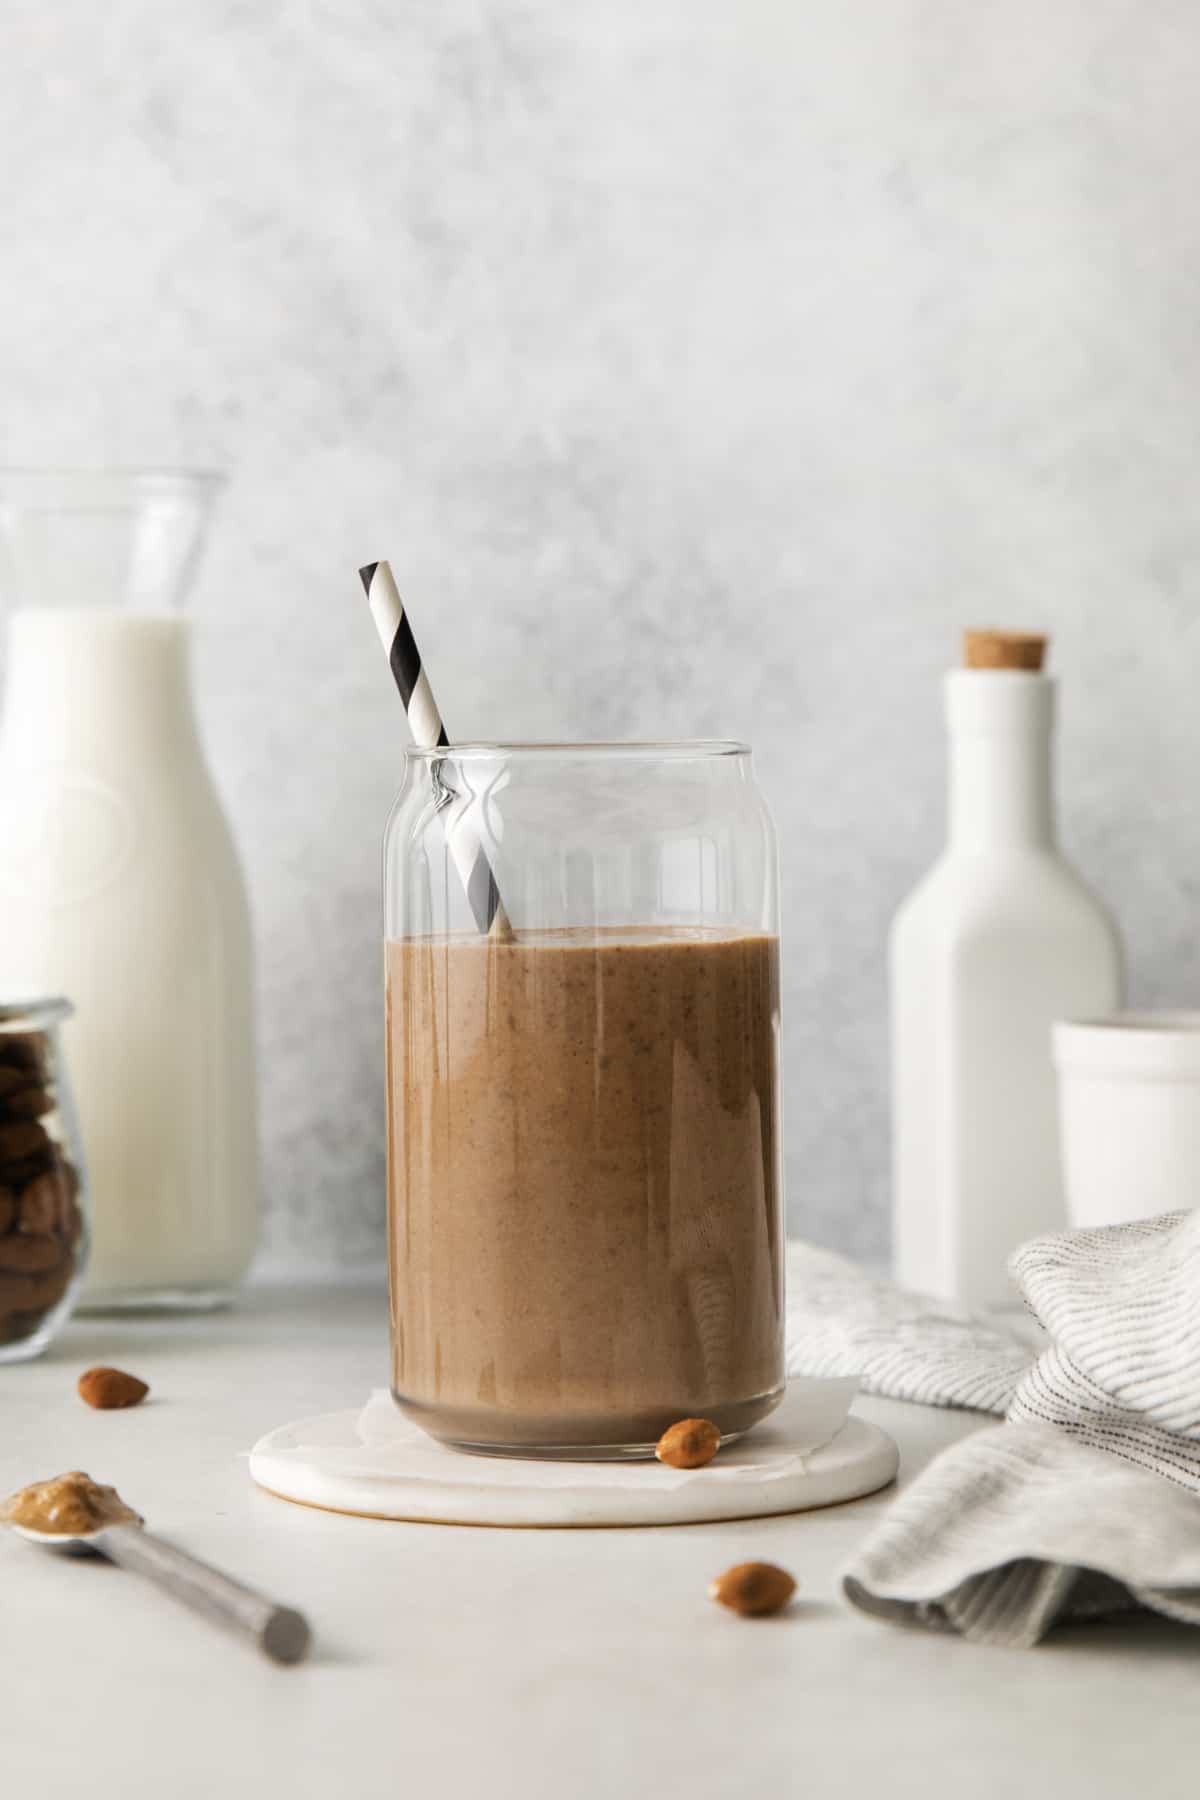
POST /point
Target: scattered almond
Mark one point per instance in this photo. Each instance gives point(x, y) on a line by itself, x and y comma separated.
point(689, 1444)
point(753, 1589)
point(108, 1388)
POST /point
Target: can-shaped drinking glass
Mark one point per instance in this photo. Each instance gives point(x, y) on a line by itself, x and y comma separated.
point(584, 1190)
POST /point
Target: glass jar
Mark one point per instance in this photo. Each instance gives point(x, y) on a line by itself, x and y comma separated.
point(119, 880)
point(583, 1095)
point(43, 1233)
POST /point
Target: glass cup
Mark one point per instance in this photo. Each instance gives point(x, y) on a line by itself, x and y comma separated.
point(43, 1233)
point(583, 1100)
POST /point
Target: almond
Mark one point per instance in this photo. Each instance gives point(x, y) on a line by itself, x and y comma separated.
point(753, 1589)
point(71, 1224)
point(40, 1203)
point(30, 1254)
point(108, 1388)
point(689, 1444)
point(34, 1291)
point(28, 1103)
point(18, 1172)
point(26, 1051)
point(24, 1137)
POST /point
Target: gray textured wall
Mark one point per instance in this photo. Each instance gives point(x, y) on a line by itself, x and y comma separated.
point(701, 368)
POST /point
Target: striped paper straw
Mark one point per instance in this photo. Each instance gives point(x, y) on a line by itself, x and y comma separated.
point(425, 723)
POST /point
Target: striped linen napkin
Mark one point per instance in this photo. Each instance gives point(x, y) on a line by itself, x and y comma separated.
point(1086, 1501)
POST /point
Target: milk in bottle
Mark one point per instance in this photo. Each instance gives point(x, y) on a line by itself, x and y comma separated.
point(119, 881)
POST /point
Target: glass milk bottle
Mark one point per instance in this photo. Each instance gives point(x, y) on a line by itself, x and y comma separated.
point(998, 941)
point(119, 882)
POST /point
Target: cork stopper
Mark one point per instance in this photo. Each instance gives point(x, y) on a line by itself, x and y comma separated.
point(1003, 650)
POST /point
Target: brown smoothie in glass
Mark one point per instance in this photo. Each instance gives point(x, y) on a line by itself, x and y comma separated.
point(584, 1214)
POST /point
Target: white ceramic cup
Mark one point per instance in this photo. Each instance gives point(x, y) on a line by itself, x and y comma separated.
point(1129, 1114)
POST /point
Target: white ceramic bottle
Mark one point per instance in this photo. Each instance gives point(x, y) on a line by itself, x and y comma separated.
point(998, 941)
point(120, 885)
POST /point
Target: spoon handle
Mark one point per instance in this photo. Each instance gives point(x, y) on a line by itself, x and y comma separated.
point(279, 1631)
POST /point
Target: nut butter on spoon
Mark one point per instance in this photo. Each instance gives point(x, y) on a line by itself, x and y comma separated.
point(79, 1515)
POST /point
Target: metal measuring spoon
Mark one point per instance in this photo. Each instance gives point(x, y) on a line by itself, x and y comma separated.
point(280, 1632)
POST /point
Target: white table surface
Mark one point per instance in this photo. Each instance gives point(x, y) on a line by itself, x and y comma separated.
point(454, 1661)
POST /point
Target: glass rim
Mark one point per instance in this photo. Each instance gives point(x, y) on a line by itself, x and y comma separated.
point(680, 749)
point(51, 1010)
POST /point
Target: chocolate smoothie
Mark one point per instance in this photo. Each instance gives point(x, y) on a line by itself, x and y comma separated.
point(583, 1185)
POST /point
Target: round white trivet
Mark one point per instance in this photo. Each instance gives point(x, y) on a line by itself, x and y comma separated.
point(808, 1453)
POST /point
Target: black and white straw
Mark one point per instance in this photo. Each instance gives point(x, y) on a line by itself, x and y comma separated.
point(428, 731)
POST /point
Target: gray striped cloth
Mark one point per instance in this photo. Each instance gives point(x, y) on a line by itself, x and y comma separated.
point(1086, 1501)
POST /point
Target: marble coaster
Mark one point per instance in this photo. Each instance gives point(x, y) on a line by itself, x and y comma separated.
point(809, 1453)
